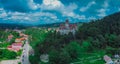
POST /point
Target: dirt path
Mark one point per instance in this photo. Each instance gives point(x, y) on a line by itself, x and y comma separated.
point(10, 61)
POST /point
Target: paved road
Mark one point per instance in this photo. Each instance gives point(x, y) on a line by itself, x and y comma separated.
point(25, 54)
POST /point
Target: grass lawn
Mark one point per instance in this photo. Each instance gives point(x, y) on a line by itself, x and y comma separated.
point(90, 58)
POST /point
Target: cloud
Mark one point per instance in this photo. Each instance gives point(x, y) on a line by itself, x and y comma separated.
point(19, 5)
point(91, 18)
point(118, 9)
point(32, 5)
point(2, 13)
point(32, 17)
point(68, 10)
point(105, 5)
point(51, 5)
point(83, 9)
point(81, 17)
point(58, 6)
point(102, 11)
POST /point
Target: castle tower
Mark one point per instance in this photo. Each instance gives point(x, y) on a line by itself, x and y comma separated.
point(67, 24)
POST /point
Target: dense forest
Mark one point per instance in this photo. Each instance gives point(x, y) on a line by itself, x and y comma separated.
point(93, 39)
point(12, 26)
point(104, 30)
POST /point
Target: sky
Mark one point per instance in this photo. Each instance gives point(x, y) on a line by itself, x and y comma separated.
point(53, 11)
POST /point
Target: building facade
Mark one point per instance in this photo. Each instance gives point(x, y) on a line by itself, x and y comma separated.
point(66, 28)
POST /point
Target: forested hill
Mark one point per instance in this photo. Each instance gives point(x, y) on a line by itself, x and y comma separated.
point(113, 22)
point(12, 26)
point(109, 24)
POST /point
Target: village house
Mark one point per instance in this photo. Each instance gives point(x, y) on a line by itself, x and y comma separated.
point(23, 35)
point(18, 40)
point(16, 30)
point(67, 28)
point(22, 39)
point(15, 47)
point(10, 37)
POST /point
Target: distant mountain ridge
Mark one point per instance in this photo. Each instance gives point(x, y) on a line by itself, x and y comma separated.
point(22, 26)
point(12, 26)
point(55, 24)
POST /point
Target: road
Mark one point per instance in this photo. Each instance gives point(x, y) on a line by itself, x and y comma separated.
point(25, 53)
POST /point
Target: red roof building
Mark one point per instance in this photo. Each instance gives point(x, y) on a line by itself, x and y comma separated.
point(10, 37)
point(15, 47)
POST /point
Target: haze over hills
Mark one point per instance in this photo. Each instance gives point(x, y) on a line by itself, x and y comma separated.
point(108, 21)
point(22, 25)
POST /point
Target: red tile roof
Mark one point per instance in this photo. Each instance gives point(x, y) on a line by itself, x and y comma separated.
point(9, 46)
point(17, 44)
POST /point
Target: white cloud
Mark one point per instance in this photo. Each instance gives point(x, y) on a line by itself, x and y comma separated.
point(19, 16)
point(68, 10)
point(1, 9)
point(54, 3)
point(118, 9)
point(102, 11)
point(105, 5)
point(83, 9)
point(79, 17)
point(51, 5)
point(2, 13)
point(57, 5)
point(102, 14)
point(32, 5)
point(91, 18)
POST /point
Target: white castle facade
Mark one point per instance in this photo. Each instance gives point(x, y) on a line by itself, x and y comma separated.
point(67, 28)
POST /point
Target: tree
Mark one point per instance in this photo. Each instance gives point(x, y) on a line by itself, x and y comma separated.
point(73, 49)
point(61, 57)
point(54, 57)
point(33, 59)
point(9, 54)
point(87, 47)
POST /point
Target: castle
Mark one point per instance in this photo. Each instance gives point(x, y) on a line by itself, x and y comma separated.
point(67, 28)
